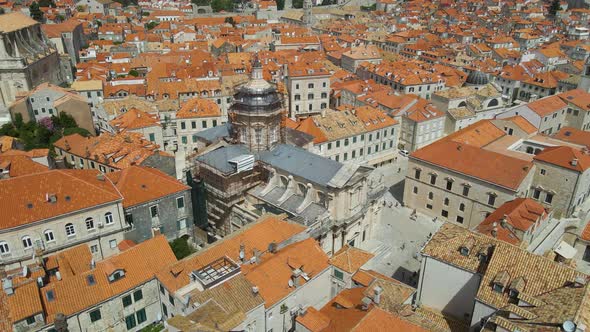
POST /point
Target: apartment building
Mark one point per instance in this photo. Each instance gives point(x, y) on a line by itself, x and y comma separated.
point(194, 116)
point(489, 283)
point(280, 268)
point(110, 152)
point(552, 113)
point(48, 100)
point(49, 211)
point(309, 89)
point(361, 135)
point(421, 124)
point(136, 121)
point(71, 289)
point(351, 59)
point(153, 203)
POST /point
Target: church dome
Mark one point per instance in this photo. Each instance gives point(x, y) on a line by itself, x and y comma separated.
point(476, 77)
point(257, 95)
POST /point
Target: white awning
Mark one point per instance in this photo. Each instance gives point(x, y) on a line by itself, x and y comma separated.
point(565, 250)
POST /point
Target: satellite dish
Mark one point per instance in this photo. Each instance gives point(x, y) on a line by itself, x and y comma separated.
point(568, 326)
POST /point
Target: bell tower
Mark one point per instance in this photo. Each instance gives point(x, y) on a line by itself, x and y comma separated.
point(307, 17)
point(585, 79)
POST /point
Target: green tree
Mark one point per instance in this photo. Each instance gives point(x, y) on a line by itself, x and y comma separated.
point(280, 4)
point(133, 73)
point(219, 5)
point(230, 20)
point(201, 2)
point(554, 8)
point(297, 3)
point(181, 248)
point(36, 12)
point(46, 3)
point(151, 25)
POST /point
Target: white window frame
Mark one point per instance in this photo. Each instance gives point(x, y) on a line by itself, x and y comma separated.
point(157, 212)
point(72, 232)
point(108, 218)
point(90, 221)
point(49, 236)
point(4, 248)
point(178, 199)
point(27, 239)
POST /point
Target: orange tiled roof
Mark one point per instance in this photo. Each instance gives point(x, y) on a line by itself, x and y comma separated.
point(273, 273)
point(573, 135)
point(378, 320)
point(350, 259)
point(520, 213)
point(140, 264)
point(486, 165)
point(139, 184)
point(547, 105)
point(24, 199)
point(198, 108)
point(134, 119)
point(255, 236)
point(20, 165)
point(563, 156)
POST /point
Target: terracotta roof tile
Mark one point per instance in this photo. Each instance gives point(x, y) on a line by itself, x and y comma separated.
point(350, 259)
point(378, 320)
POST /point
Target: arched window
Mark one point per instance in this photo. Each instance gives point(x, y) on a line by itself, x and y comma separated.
point(49, 237)
point(108, 218)
point(461, 207)
point(70, 231)
point(462, 104)
point(27, 242)
point(493, 102)
point(530, 150)
point(537, 151)
point(4, 249)
point(284, 181)
point(302, 188)
point(89, 223)
point(446, 201)
point(415, 190)
point(430, 195)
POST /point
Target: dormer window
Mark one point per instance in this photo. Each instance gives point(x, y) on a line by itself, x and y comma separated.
point(482, 257)
point(464, 251)
point(118, 274)
point(500, 281)
point(498, 288)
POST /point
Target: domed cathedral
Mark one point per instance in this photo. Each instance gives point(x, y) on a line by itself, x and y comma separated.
point(477, 79)
point(257, 116)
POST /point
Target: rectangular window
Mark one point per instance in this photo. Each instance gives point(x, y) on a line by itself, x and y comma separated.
point(204, 124)
point(171, 299)
point(95, 315)
point(126, 301)
point(361, 152)
point(429, 206)
point(180, 202)
point(214, 123)
point(31, 320)
point(543, 172)
point(548, 198)
point(432, 179)
point(182, 125)
point(536, 193)
point(460, 219)
point(141, 316)
point(338, 274)
point(465, 191)
point(184, 140)
point(445, 213)
point(449, 185)
point(162, 289)
point(491, 199)
point(113, 244)
point(130, 322)
point(329, 146)
point(182, 224)
point(417, 174)
point(345, 156)
point(346, 142)
point(137, 295)
point(154, 211)
point(152, 137)
point(337, 144)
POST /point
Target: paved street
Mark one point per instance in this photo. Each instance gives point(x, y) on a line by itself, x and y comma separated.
point(397, 238)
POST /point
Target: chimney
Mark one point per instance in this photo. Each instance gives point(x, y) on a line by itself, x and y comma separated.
point(50, 198)
point(504, 221)
point(255, 290)
point(7, 286)
point(295, 277)
point(255, 256)
point(58, 275)
point(366, 302)
point(574, 162)
point(92, 264)
point(495, 229)
point(377, 294)
point(242, 252)
point(100, 177)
